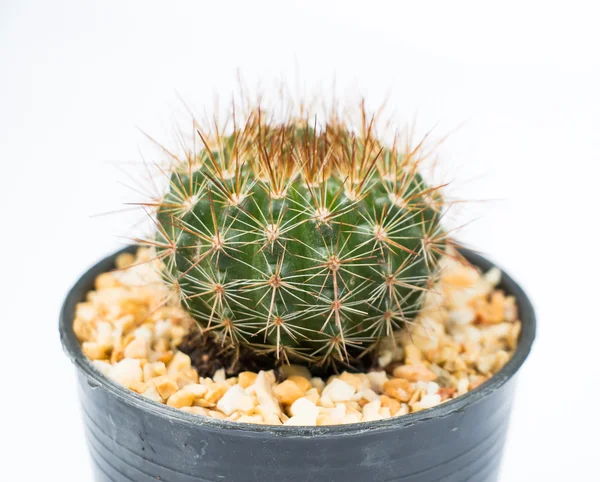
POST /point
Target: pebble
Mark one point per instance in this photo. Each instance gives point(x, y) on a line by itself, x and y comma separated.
point(338, 391)
point(235, 399)
point(180, 399)
point(414, 373)
point(304, 412)
point(287, 392)
point(127, 372)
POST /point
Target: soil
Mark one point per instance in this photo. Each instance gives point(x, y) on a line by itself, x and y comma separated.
point(208, 356)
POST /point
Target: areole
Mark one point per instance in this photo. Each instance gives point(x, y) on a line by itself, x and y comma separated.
point(132, 438)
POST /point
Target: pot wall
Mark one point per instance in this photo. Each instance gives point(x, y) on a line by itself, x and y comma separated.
point(133, 439)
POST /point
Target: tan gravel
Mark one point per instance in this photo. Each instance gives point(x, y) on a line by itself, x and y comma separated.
point(466, 332)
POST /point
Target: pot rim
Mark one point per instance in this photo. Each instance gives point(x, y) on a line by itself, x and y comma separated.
point(96, 379)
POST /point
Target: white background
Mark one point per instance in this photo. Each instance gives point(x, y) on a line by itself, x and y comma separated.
point(77, 80)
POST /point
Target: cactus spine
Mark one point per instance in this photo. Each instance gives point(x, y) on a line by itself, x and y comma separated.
point(301, 240)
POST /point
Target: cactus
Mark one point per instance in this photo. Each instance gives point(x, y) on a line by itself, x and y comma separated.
point(304, 241)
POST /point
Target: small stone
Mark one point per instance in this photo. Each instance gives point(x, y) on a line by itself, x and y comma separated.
point(117, 355)
point(463, 316)
point(234, 416)
point(153, 370)
point(86, 312)
point(137, 348)
point(105, 281)
point(272, 419)
point(180, 399)
point(384, 412)
point(152, 393)
point(219, 375)
point(305, 409)
point(366, 394)
point(325, 419)
point(332, 415)
point(416, 396)
point(287, 392)
point(127, 372)
point(165, 385)
point(513, 337)
point(352, 379)
point(177, 334)
point(414, 373)
point(144, 332)
point(475, 381)
point(429, 401)
point(492, 312)
point(313, 395)
point(221, 416)
point(431, 388)
point(216, 391)
point(351, 418)
point(103, 366)
point(338, 391)
point(201, 402)
point(404, 409)
point(398, 388)
point(124, 260)
point(460, 276)
point(165, 357)
point(245, 379)
point(485, 363)
point(510, 309)
point(385, 358)
point(338, 412)
point(82, 328)
point(371, 411)
point(264, 393)
point(446, 393)
point(463, 386)
point(377, 380)
point(93, 351)
point(412, 355)
point(302, 382)
point(180, 362)
point(163, 329)
point(392, 404)
point(235, 399)
point(502, 358)
point(493, 276)
point(139, 387)
point(270, 377)
point(104, 335)
point(161, 345)
point(196, 389)
point(125, 323)
point(186, 377)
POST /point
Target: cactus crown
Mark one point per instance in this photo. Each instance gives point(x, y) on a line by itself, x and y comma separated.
point(300, 239)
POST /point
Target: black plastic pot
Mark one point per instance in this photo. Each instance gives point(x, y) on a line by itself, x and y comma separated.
point(134, 439)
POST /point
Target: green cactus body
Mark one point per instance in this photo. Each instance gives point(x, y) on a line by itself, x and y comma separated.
point(309, 246)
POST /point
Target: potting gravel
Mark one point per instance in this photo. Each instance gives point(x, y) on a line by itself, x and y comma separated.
point(130, 327)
